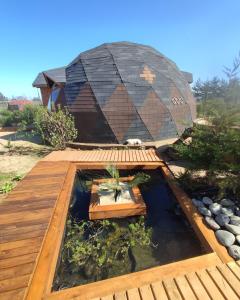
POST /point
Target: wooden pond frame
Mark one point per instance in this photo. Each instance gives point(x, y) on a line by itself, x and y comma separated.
point(40, 286)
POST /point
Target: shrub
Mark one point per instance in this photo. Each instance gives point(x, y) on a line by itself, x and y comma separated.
point(27, 115)
point(56, 128)
point(216, 149)
point(22, 118)
point(9, 118)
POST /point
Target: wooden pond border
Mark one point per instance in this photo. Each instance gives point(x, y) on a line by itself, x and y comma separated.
point(42, 278)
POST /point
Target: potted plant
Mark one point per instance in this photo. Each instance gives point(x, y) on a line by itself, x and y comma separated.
point(116, 187)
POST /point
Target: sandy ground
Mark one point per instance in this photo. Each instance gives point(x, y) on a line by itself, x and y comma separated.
point(24, 153)
point(18, 159)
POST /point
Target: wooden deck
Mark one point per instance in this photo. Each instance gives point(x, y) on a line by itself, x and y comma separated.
point(24, 218)
point(215, 283)
point(109, 156)
point(32, 218)
point(218, 282)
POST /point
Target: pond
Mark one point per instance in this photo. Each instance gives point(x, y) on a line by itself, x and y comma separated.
point(123, 245)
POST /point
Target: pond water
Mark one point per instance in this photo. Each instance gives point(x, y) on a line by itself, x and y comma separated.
point(172, 238)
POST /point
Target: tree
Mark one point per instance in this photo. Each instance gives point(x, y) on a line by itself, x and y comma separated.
point(233, 89)
point(218, 88)
point(214, 88)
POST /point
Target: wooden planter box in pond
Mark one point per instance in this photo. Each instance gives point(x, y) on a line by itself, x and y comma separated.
point(98, 210)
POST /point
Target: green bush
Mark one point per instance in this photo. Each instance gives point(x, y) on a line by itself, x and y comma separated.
point(28, 114)
point(56, 128)
point(216, 149)
point(23, 118)
point(9, 118)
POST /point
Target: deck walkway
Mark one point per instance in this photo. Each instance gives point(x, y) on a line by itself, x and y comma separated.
point(216, 283)
point(24, 218)
point(31, 219)
point(113, 156)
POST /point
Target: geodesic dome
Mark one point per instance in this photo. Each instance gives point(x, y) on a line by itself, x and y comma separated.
point(124, 90)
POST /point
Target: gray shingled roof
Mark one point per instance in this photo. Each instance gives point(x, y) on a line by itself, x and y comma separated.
point(123, 90)
point(58, 75)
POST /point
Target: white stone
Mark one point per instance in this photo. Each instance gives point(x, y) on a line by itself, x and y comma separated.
point(225, 238)
point(227, 211)
point(204, 211)
point(211, 223)
point(234, 251)
point(207, 200)
point(197, 203)
point(215, 208)
point(235, 220)
point(238, 239)
point(226, 202)
point(222, 219)
point(233, 229)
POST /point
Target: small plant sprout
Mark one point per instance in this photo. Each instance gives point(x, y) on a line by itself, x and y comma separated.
point(6, 187)
point(17, 178)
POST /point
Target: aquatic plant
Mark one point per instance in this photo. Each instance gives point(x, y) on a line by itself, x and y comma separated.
point(94, 248)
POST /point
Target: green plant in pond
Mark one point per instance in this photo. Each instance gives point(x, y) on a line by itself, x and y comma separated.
point(95, 247)
point(116, 185)
point(6, 187)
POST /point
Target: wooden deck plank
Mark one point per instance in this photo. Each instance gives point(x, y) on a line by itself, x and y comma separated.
point(133, 294)
point(18, 260)
point(26, 216)
point(16, 271)
point(209, 285)
point(120, 296)
point(184, 288)
point(230, 278)
point(19, 230)
point(159, 291)
point(16, 294)
point(17, 282)
point(146, 292)
point(20, 243)
point(234, 268)
point(109, 297)
point(31, 248)
point(197, 287)
point(222, 284)
point(130, 155)
point(23, 235)
point(25, 205)
point(172, 290)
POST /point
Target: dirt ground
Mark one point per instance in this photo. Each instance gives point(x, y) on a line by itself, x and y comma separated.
point(18, 154)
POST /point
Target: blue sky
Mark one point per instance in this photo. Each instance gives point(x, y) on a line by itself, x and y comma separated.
point(200, 36)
